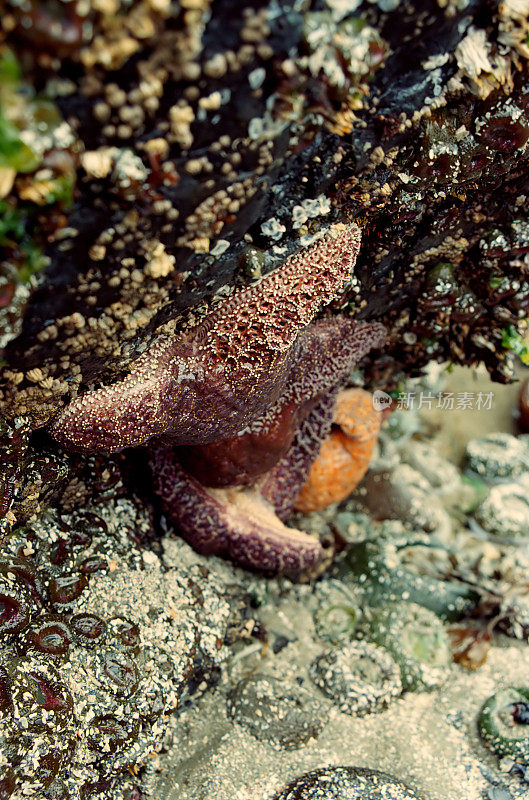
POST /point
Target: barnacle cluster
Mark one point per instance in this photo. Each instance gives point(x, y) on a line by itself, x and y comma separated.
point(471, 271)
point(343, 54)
point(189, 138)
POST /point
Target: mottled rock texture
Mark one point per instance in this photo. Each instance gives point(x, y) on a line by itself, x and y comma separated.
point(207, 141)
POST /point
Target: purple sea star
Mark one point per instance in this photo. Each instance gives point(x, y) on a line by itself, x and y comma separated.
point(244, 399)
point(327, 351)
point(237, 523)
point(212, 381)
point(245, 522)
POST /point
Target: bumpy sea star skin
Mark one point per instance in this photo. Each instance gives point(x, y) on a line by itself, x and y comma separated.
point(217, 378)
point(246, 397)
point(235, 523)
point(327, 350)
point(283, 483)
point(245, 523)
point(281, 486)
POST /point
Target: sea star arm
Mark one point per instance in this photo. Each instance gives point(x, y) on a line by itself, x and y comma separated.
point(216, 379)
point(282, 484)
point(235, 523)
point(269, 314)
point(345, 454)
